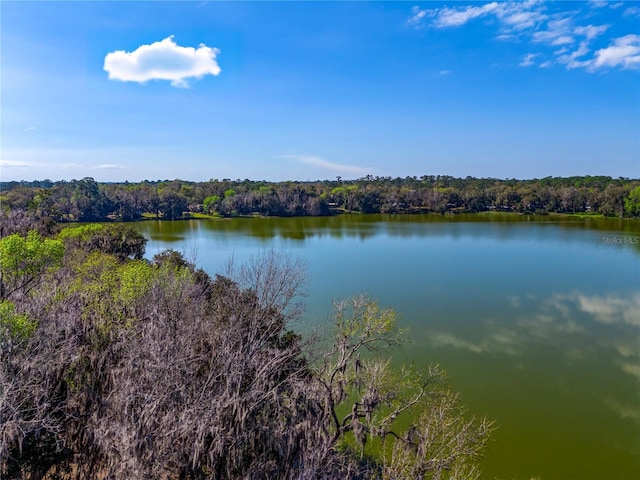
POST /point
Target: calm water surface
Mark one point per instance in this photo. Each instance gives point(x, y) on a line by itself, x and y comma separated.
point(536, 319)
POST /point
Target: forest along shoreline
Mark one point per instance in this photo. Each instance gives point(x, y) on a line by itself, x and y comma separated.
point(89, 201)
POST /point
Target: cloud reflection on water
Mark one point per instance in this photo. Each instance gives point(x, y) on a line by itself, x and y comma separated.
point(612, 309)
point(546, 320)
point(624, 411)
point(593, 333)
point(503, 341)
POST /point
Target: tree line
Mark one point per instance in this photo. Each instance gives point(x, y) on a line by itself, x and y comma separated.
point(87, 200)
point(106, 374)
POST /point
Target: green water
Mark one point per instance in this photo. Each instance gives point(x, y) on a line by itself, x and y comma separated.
point(536, 319)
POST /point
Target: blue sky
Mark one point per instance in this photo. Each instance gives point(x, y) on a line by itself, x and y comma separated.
point(312, 90)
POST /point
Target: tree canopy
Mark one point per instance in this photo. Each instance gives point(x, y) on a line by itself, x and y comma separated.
point(87, 200)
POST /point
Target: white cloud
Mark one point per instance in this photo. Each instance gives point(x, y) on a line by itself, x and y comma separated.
point(513, 15)
point(632, 12)
point(591, 31)
point(164, 60)
point(573, 59)
point(319, 162)
point(624, 53)
point(527, 60)
point(532, 21)
point(520, 20)
point(110, 166)
point(14, 164)
point(453, 17)
point(29, 129)
point(66, 162)
point(563, 40)
point(558, 32)
point(418, 15)
point(522, 15)
point(598, 3)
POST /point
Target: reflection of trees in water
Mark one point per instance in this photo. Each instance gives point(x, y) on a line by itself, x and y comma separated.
point(477, 226)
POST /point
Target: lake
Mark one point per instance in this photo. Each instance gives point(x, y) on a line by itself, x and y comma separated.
point(536, 319)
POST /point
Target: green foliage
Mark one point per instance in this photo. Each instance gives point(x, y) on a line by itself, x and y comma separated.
point(17, 327)
point(82, 233)
point(210, 202)
point(29, 255)
point(24, 260)
point(135, 280)
point(111, 290)
point(86, 200)
point(97, 283)
point(632, 203)
point(362, 319)
point(172, 204)
point(116, 239)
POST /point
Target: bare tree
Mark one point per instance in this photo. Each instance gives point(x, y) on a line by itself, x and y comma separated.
point(137, 370)
point(358, 381)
